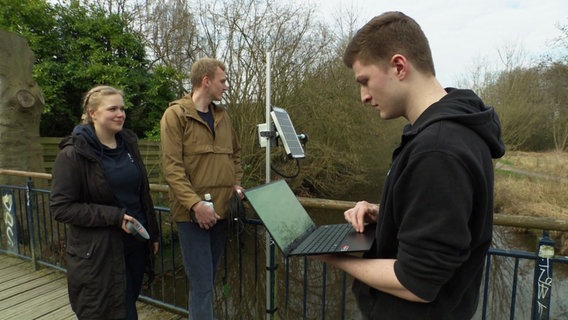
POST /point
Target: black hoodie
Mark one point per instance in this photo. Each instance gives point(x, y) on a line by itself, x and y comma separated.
point(436, 211)
point(121, 171)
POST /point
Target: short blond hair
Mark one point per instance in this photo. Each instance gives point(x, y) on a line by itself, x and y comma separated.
point(204, 67)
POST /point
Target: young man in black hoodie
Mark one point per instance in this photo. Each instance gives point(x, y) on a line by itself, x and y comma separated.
point(434, 221)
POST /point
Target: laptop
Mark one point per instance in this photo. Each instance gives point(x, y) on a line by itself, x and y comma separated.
point(294, 231)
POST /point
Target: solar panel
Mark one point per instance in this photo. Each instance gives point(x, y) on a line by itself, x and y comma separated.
point(287, 133)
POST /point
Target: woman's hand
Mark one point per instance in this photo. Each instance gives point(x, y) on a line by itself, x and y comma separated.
point(125, 219)
point(155, 247)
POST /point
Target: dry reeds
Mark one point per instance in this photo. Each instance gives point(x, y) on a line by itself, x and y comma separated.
point(534, 184)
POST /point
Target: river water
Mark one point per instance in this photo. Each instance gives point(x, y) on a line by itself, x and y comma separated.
point(502, 271)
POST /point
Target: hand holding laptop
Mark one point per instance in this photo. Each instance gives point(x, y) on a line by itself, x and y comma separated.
point(294, 231)
point(362, 214)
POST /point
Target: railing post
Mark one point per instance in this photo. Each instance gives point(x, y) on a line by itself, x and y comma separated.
point(543, 278)
point(31, 228)
point(271, 268)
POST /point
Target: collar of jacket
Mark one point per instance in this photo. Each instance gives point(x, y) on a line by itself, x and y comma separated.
point(83, 147)
point(188, 107)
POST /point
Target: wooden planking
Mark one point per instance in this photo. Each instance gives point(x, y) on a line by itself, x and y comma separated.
point(25, 294)
point(62, 313)
point(9, 273)
point(24, 283)
point(28, 294)
point(26, 299)
point(36, 305)
point(150, 312)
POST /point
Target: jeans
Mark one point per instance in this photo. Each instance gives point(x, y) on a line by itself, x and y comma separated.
point(201, 251)
point(135, 260)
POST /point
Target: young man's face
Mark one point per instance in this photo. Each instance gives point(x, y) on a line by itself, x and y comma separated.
point(380, 88)
point(218, 85)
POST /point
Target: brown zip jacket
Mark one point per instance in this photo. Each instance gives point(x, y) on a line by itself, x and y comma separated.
point(195, 161)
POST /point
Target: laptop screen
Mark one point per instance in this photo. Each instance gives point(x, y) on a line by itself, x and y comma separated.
point(281, 212)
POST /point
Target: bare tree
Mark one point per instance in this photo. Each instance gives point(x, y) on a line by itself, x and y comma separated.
point(558, 77)
point(112, 6)
point(556, 81)
point(529, 97)
point(516, 94)
point(518, 98)
point(241, 32)
point(171, 35)
point(307, 78)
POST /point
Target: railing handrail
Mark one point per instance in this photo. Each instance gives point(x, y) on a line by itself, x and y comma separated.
point(500, 219)
point(28, 174)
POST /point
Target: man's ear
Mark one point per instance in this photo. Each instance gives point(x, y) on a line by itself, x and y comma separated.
point(400, 63)
point(205, 81)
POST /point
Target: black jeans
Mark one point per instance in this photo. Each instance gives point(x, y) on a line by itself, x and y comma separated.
point(135, 257)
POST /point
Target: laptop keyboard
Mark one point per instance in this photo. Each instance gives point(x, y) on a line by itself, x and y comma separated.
point(326, 238)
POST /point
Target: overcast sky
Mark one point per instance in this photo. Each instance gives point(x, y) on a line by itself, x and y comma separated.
point(464, 34)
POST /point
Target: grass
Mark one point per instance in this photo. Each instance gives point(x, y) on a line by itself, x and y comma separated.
point(551, 163)
point(518, 193)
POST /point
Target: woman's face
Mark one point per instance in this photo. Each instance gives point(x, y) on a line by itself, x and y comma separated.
point(110, 115)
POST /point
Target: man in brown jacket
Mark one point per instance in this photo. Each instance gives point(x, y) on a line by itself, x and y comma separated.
point(201, 154)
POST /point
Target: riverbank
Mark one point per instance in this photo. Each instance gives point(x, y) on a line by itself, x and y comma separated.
point(534, 184)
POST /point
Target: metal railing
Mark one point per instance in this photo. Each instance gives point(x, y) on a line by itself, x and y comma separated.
point(516, 282)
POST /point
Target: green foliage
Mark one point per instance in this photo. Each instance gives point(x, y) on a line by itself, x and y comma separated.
point(29, 19)
point(78, 47)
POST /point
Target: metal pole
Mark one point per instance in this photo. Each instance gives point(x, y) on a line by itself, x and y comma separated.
point(269, 243)
point(31, 228)
point(267, 115)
